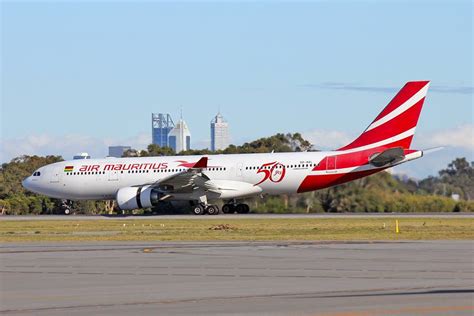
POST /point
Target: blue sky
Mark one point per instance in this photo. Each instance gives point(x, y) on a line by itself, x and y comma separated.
point(78, 76)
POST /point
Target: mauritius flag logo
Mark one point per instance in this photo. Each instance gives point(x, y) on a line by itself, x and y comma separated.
point(68, 168)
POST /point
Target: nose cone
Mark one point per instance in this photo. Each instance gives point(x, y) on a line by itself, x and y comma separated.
point(30, 185)
point(26, 183)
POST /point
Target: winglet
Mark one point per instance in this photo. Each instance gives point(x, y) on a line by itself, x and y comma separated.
point(202, 163)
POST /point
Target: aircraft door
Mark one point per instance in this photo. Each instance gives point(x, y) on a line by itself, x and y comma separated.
point(239, 169)
point(331, 164)
point(55, 175)
point(113, 175)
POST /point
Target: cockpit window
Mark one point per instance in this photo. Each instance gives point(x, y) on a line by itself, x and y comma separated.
point(36, 174)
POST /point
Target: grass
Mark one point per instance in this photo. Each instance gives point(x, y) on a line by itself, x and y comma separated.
point(217, 229)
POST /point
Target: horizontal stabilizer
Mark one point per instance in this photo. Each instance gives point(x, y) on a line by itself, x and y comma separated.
point(389, 156)
point(431, 150)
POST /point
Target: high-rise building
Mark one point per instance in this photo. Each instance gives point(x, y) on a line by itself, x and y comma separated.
point(117, 151)
point(219, 133)
point(161, 125)
point(179, 138)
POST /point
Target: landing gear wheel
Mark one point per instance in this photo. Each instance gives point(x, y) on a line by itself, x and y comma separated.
point(212, 210)
point(198, 209)
point(242, 208)
point(228, 208)
point(66, 207)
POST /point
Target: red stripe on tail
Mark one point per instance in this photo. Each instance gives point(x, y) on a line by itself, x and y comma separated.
point(399, 116)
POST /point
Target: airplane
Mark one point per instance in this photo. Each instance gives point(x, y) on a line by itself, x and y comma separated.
point(142, 182)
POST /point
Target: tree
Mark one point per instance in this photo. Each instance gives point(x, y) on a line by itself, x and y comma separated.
point(457, 178)
point(17, 200)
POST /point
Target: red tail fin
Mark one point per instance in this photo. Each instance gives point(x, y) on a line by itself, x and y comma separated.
point(395, 125)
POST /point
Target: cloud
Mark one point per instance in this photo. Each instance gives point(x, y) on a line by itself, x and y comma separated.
point(327, 139)
point(66, 146)
point(459, 137)
point(459, 141)
point(431, 164)
point(386, 89)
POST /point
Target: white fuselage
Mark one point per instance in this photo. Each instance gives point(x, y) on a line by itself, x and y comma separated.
point(97, 179)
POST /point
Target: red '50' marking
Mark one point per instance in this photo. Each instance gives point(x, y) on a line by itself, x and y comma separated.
point(274, 171)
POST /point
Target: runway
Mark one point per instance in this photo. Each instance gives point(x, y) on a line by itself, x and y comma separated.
point(234, 278)
point(237, 216)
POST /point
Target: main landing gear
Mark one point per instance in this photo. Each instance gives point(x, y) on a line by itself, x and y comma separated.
point(228, 208)
point(201, 209)
point(231, 208)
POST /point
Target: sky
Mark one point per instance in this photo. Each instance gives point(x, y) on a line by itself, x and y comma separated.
point(82, 75)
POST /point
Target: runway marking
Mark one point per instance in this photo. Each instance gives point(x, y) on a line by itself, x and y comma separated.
point(108, 273)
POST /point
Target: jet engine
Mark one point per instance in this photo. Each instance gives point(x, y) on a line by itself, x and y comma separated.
point(130, 198)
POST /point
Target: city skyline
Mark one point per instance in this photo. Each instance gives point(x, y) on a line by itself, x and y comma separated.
point(76, 78)
point(163, 124)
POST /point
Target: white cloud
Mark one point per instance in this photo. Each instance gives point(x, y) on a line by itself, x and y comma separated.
point(327, 139)
point(460, 141)
point(66, 145)
point(459, 137)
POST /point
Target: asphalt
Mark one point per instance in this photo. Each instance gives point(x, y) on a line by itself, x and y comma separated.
point(238, 216)
point(234, 278)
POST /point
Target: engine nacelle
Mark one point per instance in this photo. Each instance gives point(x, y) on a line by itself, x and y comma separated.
point(130, 198)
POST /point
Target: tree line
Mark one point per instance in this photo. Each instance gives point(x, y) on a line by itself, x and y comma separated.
point(451, 191)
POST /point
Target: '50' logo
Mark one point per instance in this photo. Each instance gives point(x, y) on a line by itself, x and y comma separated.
point(273, 171)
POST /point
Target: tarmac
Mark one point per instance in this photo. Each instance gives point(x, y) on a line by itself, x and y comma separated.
point(234, 216)
point(238, 278)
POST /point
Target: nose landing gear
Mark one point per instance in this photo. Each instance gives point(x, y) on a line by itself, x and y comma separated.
point(66, 207)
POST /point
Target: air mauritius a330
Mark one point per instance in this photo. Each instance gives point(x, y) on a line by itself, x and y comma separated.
point(203, 180)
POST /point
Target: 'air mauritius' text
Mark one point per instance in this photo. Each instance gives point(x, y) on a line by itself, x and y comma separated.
point(125, 166)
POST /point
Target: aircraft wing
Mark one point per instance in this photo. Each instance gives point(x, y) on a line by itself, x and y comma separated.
point(193, 180)
point(185, 181)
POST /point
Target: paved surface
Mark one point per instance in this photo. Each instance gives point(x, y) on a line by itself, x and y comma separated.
point(264, 278)
point(240, 216)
